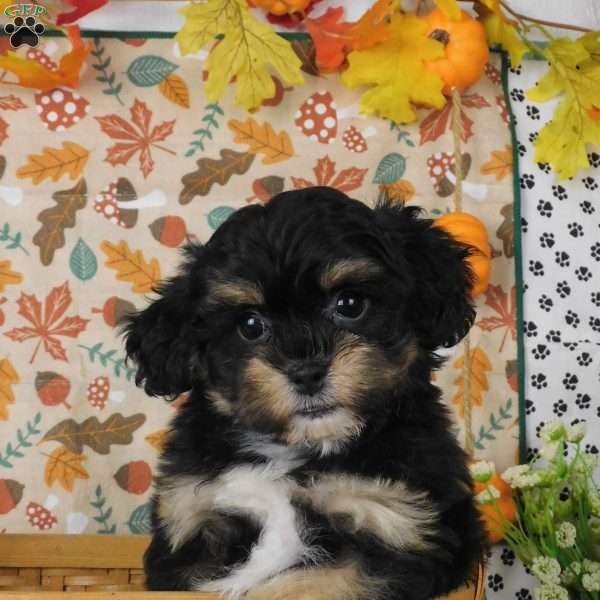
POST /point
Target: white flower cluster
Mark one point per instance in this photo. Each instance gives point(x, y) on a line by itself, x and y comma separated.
point(522, 476)
point(546, 569)
point(566, 535)
point(551, 591)
point(488, 495)
point(482, 471)
point(591, 577)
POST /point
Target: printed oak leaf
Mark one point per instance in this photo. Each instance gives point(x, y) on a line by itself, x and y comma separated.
point(480, 366)
point(131, 266)
point(575, 72)
point(116, 430)
point(8, 276)
point(437, 122)
point(506, 230)
point(135, 137)
point(176, 90)
point(54, 163)
point(345, 181)
point(51, 236)
point(497, 299)
point(333, 37)
point(246, 50)
point(499, 165)
point(211, 171)
point(47, 322)
point(392, 68)
point(8, 378)
point(65, 467)
point(262, 139)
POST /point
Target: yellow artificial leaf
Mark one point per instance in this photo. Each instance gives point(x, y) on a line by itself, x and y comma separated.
point(500, 31)
point(8, 276)
point(575, 72)
point(494, 7)
point(175, 89)
point(158, 438)
point(8, 377)
point(247, 49)
point(499, 165)
point(480, 366)
point(131, 266)
point(54, 163)
point(65, 467)
point(393, 67)
point(262, 139)
point(450, 8)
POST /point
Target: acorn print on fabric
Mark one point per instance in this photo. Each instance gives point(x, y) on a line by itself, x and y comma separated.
point(60, 108)
point(114, 310)
point(134, 477)
point(170, 231)
point(52, 388)
point(11, 492)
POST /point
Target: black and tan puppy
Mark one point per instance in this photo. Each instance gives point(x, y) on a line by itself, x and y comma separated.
point(313, 459)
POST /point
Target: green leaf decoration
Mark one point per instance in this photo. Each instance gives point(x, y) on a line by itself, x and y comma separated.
point(149, 70)
point(23, 441)
point(139, 521)
point(12, 241)
point(119, 367)
point(83, 261)
point(390, 169)
point(496, 424)
point(217, 216)
point(103, 515)
point(210, 121)
point(101, 65)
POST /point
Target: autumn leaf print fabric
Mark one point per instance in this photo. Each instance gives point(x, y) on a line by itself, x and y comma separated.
point(100, 187)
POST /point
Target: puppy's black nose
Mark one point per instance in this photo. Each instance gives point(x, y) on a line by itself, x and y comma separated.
point(308, 378)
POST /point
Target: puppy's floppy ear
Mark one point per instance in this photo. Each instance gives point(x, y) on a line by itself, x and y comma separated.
point(162, 339)
point(439, 305)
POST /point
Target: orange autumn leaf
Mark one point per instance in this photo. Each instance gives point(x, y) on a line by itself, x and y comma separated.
point(262, 139)
point(333, 37)
point(499, 165)
point(480, 366)
point(8, 378)
point(158, 438)
point(131, 266)
point(31, 74)
point(65, 467)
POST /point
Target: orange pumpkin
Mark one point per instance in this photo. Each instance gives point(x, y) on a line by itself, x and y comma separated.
point(282, 7)
point(466, 50)
point(470, 230)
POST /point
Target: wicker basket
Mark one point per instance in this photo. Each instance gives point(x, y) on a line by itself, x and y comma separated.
point(44, 567)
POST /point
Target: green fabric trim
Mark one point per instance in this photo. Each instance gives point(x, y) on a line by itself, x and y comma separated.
point(518, 245)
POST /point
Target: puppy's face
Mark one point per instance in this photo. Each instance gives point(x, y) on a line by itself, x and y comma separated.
point(302, 318)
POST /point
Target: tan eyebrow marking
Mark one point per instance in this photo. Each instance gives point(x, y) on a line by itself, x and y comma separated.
point(349, 270)
point(234, 292)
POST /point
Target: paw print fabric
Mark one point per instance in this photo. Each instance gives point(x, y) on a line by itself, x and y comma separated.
point(560, 231)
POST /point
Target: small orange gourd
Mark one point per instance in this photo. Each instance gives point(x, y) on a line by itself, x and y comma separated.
point(505, 504)
point(466, 50)
point(282, 7)
point(470, 230)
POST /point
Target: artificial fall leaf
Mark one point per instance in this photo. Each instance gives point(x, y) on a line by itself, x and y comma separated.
point(450, 8)
point(480, 366)
point(333, 37)
point(65, 467)
point(8, 378)
point(137, 136)
point(8, 276)
point(262, 139)
point(497, 299)
point(499, 165)
point(31, 74)
point(131, 266)
point(47, 322)
point(345, 181)
point(82, 8)
point(393, 67)
point(575, 71)
point(53, 163)
point(500, 31)
point(245, 52)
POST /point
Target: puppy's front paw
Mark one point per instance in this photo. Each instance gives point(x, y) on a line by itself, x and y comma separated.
point(398, 516)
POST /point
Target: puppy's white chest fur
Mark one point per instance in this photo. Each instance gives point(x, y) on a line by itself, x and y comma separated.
point(262, 492)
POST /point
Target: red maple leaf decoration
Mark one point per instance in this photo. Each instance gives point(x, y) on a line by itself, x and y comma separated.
point(497, 299)
point(47, 322)
point(345, 181)
point(437, 121)
point(138, 136)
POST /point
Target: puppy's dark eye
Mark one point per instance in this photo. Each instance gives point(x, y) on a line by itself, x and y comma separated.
point(350, 306)
point(253, 328)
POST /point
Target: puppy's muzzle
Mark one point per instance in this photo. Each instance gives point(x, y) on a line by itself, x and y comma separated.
point(308, 377)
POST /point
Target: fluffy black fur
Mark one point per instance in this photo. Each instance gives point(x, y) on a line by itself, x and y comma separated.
point(181, 343)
